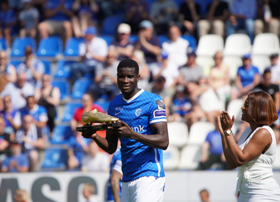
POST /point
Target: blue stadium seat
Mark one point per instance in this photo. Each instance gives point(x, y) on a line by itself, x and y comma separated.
point(63, 69)
point(63, 86)
point(178, 2)
point(20, 44)
point(162, 39)
point(104, 104)
point(80, 87)
point(50, 47)
point(133, 38)
point(47, 65)
point(69, 110)
point(15, 63)
point(191, 40)
point(72, 47)
point(3, 44)
point(61, 134)
point(110, 24)
point(54, 159)
point(108, 39)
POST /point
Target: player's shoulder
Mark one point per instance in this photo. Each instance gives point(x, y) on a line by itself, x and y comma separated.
point(151, 95)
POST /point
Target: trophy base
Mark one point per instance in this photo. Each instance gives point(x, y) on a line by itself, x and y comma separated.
point(93, 129)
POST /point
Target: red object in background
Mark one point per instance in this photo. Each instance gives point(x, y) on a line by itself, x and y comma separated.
point(79, 112)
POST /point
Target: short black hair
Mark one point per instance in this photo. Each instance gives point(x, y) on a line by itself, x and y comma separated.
point(266, 71)
point(130, 64)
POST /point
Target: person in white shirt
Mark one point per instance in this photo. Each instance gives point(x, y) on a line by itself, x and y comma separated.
point(96, 160)
point(92, 52)
point(275, 69)
point(18, 91)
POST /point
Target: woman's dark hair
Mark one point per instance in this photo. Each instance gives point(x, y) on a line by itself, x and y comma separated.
point(130, 64)
point(262, 108)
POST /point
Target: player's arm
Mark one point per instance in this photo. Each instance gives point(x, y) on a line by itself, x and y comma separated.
point(108, 144)
point(115, 185)
point(157, 140)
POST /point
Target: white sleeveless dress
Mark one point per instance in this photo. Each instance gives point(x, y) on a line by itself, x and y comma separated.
point(255, 179)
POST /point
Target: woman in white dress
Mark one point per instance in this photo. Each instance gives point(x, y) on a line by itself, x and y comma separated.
point(255, 151)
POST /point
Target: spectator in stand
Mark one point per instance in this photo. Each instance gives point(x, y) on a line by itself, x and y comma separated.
point(112, 7)
point(176, 48)
point(31, 139)
point(8, 21)
point(247, 78)
point(48, 97)
point(33, 68)
point(136, 11)
point(163, 14)
point(11, 116)
point(79, 146)
point(16, 5)
point(217, 14)
point(17, 162)
point(159, 89)
point(87, 101)
point(39, 5)
point(204, 195)
point(8, 70)
point(88, 191)
point(29, 18)
point(21, 196)
point(212, 150)
point(105, 81)
point(57, 14)
point(275, 69)
point(219, 78)
point(95, 160)
point(122, 46)
point(5, 140)
point(181, 104)
point(92, 52)
point(148, 43)
point(18, 91)
point(243, 14)
point(84, 10)
point(273, 91)
point(39, 113)
point(191, 72)
point(269, 17)
point(144, 70)
point(189, 16)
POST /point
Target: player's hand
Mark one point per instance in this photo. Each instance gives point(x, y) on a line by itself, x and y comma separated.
point(123, 131)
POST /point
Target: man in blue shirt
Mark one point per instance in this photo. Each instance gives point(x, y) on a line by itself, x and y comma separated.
point(115, 180)
point(143, 136)
point(243, 14)
point(57, 14)
point(247, 78)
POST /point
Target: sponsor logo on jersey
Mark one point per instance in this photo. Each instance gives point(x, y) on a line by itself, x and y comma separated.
point(160, 104)
point(159, 113)
point(138, 112)
point(118, 110)
point(138, 129)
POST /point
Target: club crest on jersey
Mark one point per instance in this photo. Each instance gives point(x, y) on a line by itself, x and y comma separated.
point(138, 112)
point(160, 104)
point(118, 110)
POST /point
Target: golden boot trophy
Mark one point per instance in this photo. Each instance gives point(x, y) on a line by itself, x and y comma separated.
point(95, 116)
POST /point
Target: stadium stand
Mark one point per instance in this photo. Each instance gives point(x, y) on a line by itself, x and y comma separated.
point(265, 44)
point(61, 135)
point(209, 44)
point(63, 86)
point(63, 69)
point(110, 24)
point(190, 157)
point(72, 47)
point(233, 62)
point(80, 87)
point(178, 134)
point(237, 45)
point(69, 110)
point(54, 159)
point(199, 131)
point(19, 45)
point(171, 158)
point(50, 47)
point(3, 44)
point(47, 65)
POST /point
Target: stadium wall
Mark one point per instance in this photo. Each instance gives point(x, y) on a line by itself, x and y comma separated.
point(181, 186)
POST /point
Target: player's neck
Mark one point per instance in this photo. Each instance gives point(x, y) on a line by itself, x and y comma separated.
point(128, 96)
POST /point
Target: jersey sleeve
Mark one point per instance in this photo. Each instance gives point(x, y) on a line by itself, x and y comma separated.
point(157, 111)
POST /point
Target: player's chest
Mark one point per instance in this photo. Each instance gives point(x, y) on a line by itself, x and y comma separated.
point(129, 113)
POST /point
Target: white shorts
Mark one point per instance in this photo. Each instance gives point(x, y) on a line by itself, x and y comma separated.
point(144, 189)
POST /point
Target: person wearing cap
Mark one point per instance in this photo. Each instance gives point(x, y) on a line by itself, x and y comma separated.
point(136, 11)
point(33, 68)
point(121, 45)
point(148, 43)
point(92, 52)
point(248, 76)
point(17, 162)
point(85, 11)
point(275, 69)
point(57, 14)
point(29, 18)
point(21, 196)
